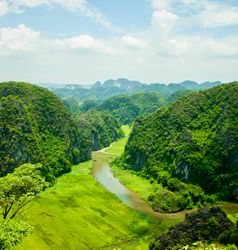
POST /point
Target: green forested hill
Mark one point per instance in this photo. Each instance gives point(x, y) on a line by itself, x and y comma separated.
point(102, 128)
point(195, 139)
point(147, 102)
point(121, 107)
point(178, 94)
point(35, 127)
point(126, 108)
point(72, 105)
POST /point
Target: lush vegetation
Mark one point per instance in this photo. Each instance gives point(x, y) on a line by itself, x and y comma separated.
point(180, 157)
point(100, 127)
point(126, 105)
point(208, 225)
point(195, 140)
point(16, 191)
point(121, 107)
point(78, 213)
point(12, 232)
point(116, 149)
point(89, 104)
point(126, 108)
point(36, 127)
point(72, 105)
point(178, 94)
point(19, 188)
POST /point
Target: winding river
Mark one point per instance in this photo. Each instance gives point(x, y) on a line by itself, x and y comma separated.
point(103, 174)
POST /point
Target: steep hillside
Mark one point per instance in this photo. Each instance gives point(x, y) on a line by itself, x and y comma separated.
point(178, 94)
point(147, 102)
point(72, 105)
point(35, 127)
point(126, 108)
point(194, 140)
point(102, 128)
point(121, 107)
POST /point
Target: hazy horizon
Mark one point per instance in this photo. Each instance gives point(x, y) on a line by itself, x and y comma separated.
point(92, 83)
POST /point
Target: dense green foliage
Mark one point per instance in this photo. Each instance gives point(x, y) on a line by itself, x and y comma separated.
point(36, 127)
point(72, 105)
point(12, 232)
point(102, 128)
point(176, 196)
point(204, 225)
point(16, 191)
point(147, 102)
point(121, 107)
point(88, 105)
point(195, 140)
point(19, 188)
point(178, 94)
point(126, 108)
point(229, 236)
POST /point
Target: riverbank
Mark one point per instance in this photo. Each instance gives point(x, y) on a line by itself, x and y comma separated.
point(78, 213)
point(143, 188)
point(103, 174)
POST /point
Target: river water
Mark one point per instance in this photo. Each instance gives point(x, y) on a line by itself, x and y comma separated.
point(102, 172)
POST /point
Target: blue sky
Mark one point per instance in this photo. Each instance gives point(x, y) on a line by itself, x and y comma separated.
point(82, 41)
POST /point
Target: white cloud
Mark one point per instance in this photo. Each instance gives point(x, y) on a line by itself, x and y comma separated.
point(202, 47)
point(163, 20)
point(69, 4)
point(134, 42)
point(224, 48)
point(19, 39)
point(23, 39)
point(218, 15)
point(188, 1)
point(97, 16)
point(3, 8)
point(82, 42)
point(160, 4)
point(177, 47)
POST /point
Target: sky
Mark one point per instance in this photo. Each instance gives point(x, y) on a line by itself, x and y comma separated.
point(83, 41)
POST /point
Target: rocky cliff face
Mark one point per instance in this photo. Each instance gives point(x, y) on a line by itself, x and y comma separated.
point(19, 138)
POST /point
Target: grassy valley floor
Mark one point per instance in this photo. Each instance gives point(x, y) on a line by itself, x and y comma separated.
point(78, 213)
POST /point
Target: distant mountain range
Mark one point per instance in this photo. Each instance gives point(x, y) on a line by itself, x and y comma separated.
point(123, 86)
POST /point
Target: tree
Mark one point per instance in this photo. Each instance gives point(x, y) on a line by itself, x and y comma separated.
point(12, 232)
point(19, 188)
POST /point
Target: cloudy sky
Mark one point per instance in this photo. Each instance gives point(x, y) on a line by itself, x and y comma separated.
point(82, 41)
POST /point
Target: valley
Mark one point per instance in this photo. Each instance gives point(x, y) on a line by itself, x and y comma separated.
point(80, 206)
point(118, 125)
point(79, 213)
point(118, 176)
